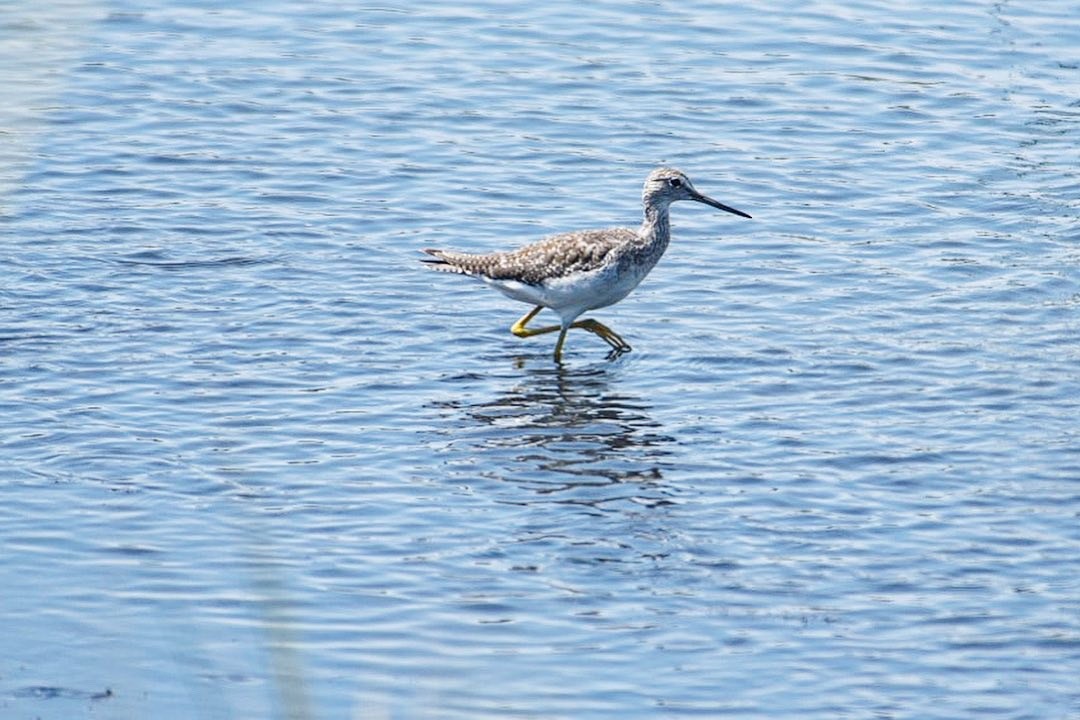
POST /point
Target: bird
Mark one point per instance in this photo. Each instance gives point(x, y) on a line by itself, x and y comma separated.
point(574, 272)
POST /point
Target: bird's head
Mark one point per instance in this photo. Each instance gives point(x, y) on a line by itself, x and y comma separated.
point(667, 185)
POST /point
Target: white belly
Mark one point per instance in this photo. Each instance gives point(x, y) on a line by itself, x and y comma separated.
point(574, 294)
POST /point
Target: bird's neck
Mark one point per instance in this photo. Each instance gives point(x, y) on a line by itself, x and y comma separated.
point(656, 228)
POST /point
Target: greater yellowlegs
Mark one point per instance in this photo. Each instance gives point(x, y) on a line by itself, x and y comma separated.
point(575, 272)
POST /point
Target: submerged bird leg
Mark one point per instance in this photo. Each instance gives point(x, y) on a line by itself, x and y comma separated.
point(559, 344)
point(520, 330)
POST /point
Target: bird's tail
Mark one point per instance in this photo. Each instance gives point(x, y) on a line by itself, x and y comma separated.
point(443, 261)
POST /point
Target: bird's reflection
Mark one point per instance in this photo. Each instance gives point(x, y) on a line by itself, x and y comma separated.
point(568, 435)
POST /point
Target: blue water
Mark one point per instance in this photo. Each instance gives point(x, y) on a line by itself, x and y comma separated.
point(259, 463)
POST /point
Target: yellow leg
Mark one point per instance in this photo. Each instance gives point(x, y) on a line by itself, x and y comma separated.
point(597, 328)
point(520, 330)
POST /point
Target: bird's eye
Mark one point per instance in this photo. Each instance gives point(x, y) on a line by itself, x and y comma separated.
point(675, 182)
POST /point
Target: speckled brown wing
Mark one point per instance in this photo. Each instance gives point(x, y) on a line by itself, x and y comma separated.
point(553, 257)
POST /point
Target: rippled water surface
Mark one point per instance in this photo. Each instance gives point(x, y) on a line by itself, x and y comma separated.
point(259, 463)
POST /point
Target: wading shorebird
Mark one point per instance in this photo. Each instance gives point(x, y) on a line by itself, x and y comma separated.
point(572, 273)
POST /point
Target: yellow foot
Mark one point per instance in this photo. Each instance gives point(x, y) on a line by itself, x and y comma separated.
point(612, 338)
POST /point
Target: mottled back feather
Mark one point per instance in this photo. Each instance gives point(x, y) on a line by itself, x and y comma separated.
point(548, 259)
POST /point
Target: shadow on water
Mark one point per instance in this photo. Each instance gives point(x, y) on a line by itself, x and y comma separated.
point(566, 435)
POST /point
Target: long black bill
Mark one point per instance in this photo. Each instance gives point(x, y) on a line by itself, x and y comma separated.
point(718, 205)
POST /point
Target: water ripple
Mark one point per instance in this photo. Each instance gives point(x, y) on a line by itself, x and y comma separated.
point(259, 462)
